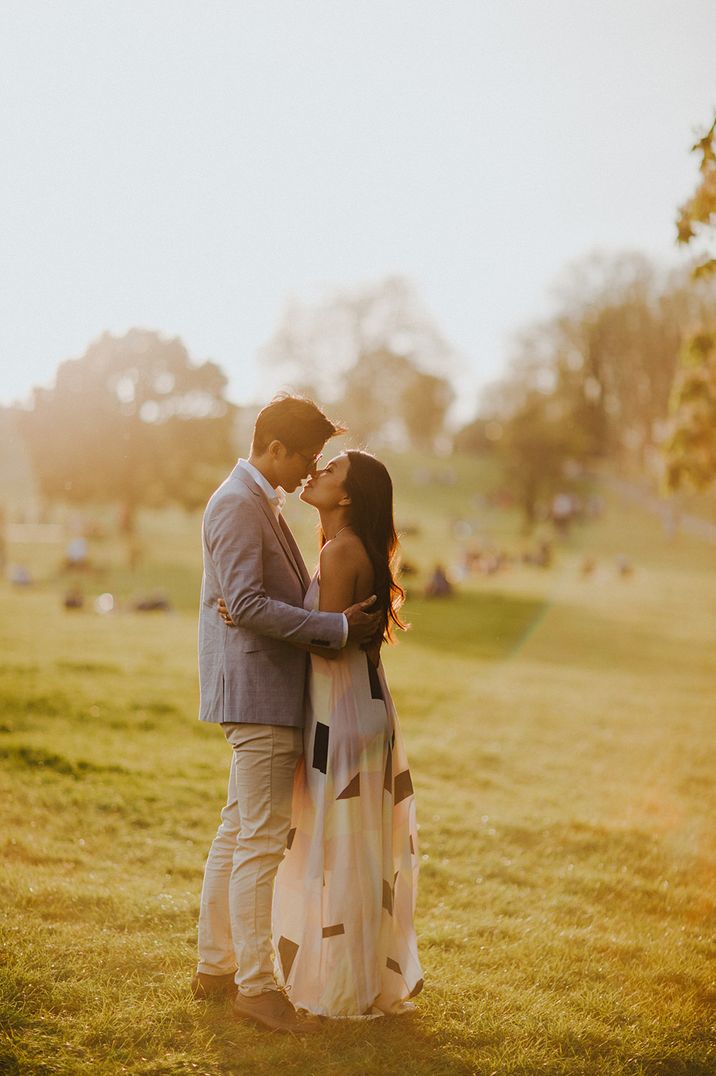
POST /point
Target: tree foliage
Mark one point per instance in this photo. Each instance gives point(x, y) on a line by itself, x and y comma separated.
point(592, 382)
point(696, 216)
point(691, 447)
point(386, 396)
point(132, 421)
point(424, 405)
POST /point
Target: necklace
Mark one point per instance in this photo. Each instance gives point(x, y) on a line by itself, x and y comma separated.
point(340, 531)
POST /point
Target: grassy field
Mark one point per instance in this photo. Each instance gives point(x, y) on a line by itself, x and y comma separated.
point(561, 734)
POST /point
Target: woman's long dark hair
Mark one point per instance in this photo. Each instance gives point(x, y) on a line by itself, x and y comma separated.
point(370, 489)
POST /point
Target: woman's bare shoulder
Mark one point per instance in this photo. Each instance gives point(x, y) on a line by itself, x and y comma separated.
point(345, 548)
point(345, 557)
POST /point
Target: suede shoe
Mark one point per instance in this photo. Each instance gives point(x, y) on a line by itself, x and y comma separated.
point(272, 1009)
point(205, 986)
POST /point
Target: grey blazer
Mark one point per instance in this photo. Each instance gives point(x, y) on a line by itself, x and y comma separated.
point(251, 672)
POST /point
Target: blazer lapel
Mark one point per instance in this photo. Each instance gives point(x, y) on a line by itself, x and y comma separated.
point(301, 564)
point(288, 542)
point(268, 512)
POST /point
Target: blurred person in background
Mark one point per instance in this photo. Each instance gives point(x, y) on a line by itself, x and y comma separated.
point(438, 586)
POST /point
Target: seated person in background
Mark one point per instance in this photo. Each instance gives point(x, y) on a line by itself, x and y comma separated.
point(76, 554)
point(73, 599)
point(439, 585)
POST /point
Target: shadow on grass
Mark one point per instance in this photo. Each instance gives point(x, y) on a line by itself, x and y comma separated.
point(21, 701)
point(600, 641)
point(389, 1045)
point(22, 757)
point(472, 625)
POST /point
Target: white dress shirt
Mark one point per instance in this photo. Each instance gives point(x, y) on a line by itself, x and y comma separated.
point(275, 497)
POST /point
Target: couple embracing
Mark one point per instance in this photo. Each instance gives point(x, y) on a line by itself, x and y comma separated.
point(310, 883)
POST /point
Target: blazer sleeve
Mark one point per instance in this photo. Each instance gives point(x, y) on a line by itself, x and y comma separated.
point(233, 538)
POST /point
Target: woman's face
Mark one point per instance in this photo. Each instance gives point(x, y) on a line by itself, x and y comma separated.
point(326, 489)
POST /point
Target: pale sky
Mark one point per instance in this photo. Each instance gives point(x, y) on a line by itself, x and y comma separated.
point(186, 166)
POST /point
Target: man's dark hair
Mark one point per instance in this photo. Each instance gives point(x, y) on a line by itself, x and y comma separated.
point(294, 421)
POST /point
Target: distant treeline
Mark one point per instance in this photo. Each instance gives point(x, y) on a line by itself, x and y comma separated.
point(135, 421)
point(623, 371)
point(593, 382)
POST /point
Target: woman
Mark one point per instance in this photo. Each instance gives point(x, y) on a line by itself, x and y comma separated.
point(345, 892)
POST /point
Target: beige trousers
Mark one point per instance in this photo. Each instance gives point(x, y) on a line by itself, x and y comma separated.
point(235, 913)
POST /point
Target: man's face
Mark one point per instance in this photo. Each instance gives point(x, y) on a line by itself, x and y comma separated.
point(294, 467)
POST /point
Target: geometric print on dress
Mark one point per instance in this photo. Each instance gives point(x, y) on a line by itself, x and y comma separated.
point(343, 949)
point(376, 691)
point(403, 786)
point(320, 747)
point(351, 790)
point(287, 950)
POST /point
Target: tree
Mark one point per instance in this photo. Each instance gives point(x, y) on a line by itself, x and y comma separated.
point(372, 391)
point(536, 445)
point(691, 447)
point(606, 358)
point(425, 402)
point(593, 381)
point(17, 481)
point(133, 421)
point(386, 397)
point(477, 437)
point(616, 344)
point(374, 351)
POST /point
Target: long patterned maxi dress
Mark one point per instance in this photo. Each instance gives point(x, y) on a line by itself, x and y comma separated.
point(345, 892)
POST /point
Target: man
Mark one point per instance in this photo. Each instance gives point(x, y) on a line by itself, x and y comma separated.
point(253, 680)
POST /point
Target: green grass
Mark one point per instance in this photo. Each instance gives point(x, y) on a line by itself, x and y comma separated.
point(560, 731)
